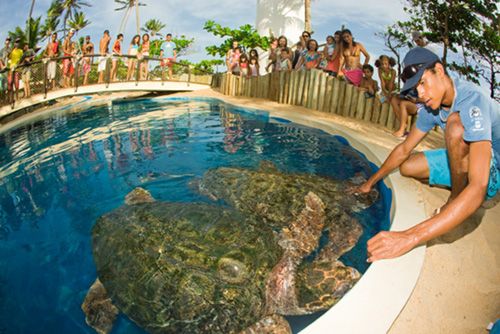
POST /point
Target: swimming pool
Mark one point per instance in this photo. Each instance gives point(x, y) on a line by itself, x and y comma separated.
point(67, 168)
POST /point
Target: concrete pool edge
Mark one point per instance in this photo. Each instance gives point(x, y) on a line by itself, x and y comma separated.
point(382, 292)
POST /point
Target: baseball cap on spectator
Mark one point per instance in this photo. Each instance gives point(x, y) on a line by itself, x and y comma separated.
point(416, 61)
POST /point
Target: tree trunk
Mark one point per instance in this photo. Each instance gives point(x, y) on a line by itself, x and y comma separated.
point(307, 10)
point(137, 17)
point(28, 26)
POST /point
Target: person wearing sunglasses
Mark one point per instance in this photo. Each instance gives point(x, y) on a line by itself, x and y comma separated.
point(469, 165)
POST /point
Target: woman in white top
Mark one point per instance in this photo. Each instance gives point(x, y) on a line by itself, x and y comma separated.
point(133, 51)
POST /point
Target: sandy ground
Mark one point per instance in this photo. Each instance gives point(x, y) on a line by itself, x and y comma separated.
point(458, 290)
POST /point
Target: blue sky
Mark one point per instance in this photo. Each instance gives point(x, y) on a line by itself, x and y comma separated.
point(363, 18)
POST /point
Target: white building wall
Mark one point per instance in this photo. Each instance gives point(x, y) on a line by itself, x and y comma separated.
point(279, 17)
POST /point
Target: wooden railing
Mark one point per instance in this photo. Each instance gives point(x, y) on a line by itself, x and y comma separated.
point(311, 89)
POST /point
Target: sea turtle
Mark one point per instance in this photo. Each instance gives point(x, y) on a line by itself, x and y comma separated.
point(276, 196)
point(201, 268)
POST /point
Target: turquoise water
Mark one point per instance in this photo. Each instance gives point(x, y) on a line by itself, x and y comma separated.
point(59, 173)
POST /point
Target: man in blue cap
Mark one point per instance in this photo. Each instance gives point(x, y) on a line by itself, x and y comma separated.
point(469, 164)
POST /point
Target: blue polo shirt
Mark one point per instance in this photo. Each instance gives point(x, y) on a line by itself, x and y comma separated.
point(168, 49)
point(480, 115)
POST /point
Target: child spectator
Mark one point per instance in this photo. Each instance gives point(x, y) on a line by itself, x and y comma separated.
point(272, 58)
point(368, 85)
point(244, 65)
point(387, 76)
point(311, 58)
point(333, 56)
point(133, 51)
point(233, 58)
point(253, 66)
point(285, 63)
point(327, 52)
point(282, 44)
point(402, 107)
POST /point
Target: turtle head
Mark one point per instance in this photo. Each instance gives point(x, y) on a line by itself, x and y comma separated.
point(138, 195)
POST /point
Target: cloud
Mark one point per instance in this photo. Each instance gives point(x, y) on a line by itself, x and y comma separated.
point(368, 14)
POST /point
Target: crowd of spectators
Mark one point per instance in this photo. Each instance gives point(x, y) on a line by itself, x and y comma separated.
point(64, 55)
point(340, 56)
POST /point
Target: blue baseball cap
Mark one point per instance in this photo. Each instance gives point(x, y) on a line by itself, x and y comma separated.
point(416, 61)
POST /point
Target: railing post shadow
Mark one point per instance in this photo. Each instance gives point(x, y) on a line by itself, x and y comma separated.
point(45, 78)
point(138, 72)
point(163, 75)
point(107, 71)
point(77, 70)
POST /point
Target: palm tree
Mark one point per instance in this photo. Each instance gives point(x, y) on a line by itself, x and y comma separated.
point(70, 8)
point(153, 27)
point(30, 35)
point(52, 21)
point(128, 5)
point(79, 21)
point(29, 18)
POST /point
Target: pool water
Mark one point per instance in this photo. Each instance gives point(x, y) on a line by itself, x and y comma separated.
point(62, 171)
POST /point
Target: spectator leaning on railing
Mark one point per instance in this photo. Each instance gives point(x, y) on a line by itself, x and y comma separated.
point(103, 50)
point(26, 59)
point(13, 77)
point(52, 51)
point(170, 53)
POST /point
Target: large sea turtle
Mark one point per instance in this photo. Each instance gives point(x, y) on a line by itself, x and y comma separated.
point(276, 196)
point(200, 268)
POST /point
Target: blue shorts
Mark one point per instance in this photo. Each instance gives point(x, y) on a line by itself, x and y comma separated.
point(439, 171)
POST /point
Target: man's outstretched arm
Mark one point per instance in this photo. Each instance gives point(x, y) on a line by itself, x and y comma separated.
point(398, 155)
point(387, 245)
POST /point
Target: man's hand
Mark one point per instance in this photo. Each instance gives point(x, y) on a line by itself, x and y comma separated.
point(388, 245)
point(362, 189)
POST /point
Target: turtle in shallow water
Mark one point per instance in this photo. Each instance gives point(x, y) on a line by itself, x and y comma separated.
point(200, 268)
point(276, 196)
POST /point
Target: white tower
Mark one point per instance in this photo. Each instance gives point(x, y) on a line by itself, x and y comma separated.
point(281, 17)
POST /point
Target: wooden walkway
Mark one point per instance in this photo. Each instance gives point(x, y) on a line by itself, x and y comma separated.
point(145, 86)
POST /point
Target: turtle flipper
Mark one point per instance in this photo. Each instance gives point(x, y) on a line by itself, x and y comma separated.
point(300, 239)
point(322, 283)
point(340, 242)
point(272, 324)
point(100, 313)
point(358, 202)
